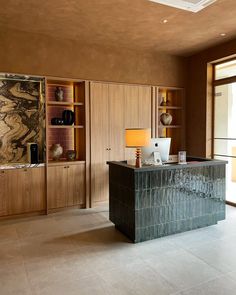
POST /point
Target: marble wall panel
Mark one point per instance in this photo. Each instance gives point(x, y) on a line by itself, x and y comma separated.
point(21, 117)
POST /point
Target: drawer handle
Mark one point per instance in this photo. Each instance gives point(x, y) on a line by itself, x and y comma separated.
point(2, 171)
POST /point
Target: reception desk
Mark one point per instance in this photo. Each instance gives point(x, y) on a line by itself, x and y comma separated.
point(154, 201)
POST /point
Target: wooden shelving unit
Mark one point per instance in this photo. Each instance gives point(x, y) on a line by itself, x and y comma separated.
point(171, 100)
point(66, 180)
point(70, 137)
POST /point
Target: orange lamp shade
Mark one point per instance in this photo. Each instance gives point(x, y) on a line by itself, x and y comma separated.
point(138, 137)
point(234, 164)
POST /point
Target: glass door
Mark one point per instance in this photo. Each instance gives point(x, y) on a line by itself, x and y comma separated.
point(225, 134)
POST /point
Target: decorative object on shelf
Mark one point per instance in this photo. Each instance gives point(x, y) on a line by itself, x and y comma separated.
point(137, 138)
point(33, 153)
point(71, 155)
point(56, 150)
point(165, 102)
point(182, 157)
point(59, 94)
point(57, 121)
point(68, 117)
point(166, 118)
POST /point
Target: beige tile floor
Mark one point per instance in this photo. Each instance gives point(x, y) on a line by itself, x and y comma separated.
point(80, 252)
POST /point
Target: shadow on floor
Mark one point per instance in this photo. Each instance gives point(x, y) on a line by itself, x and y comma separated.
point(100, 236)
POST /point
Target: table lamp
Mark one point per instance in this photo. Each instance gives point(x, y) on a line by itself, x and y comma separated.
point(137, 138)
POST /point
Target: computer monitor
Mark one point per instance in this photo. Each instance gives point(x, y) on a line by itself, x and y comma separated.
point(161, 145)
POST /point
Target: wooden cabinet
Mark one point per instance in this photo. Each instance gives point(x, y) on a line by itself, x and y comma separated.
point(56, 186)
point(22, 191)
point(107, 134)
point(65, 185)
point(116, 122)
point(66, 180)
point(138, 110)
point(99, 141)
point(27, 192)
point(76, 185)
point(70, 135)
point(114, 107)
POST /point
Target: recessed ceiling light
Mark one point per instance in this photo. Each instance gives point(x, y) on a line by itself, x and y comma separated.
point(222, 34)
point(164, 21)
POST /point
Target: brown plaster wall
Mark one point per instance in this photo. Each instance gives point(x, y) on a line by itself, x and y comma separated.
point(36, 54)
point(198, 102)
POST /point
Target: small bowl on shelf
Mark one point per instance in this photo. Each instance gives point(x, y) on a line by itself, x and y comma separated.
point(71, 155)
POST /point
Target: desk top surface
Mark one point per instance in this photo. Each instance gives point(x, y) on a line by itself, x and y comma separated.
point(192, 162)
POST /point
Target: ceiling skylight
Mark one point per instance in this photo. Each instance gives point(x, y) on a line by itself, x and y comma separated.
point(190, 5)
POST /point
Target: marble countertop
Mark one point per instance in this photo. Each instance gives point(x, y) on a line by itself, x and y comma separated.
point(20, 166)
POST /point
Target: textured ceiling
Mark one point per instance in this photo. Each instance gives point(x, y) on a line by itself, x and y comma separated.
point(134, 24)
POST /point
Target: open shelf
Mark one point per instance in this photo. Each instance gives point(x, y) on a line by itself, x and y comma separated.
point(169, 126)
point(64, 103)
point(170, 107)
point(66, 126)
point(70, 137)
point(64, 162)
point(171, 101)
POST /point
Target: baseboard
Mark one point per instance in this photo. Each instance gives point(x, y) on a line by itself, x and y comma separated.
point(23, 215)
point(55, 210)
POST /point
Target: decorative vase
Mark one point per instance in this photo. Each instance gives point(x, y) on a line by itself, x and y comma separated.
point(59, 94)
point(165, 102)
point(56, 150)
point(166, 118)
point(68, 117)
point(71, 155)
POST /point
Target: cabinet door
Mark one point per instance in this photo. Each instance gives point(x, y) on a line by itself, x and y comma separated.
point(99, 141)
point(132, 110)
point(145, 107)
point(116, 122)
point(34, 194)
point(27, 190)
point(57, 187)
point(16, 188)
point(3, 193)
point(138, 110)
point(76, 185)
point(131, 106)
